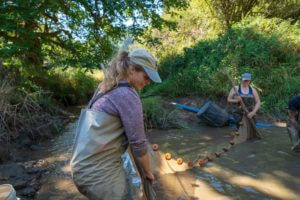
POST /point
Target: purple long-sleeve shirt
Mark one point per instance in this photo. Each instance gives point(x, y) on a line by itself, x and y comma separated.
point(124, 102)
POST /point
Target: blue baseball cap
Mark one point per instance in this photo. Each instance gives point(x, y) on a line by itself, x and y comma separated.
point(246, 77)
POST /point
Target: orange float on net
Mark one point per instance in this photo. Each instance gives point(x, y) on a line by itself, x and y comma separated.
point(225, 149)
point(201, 163)
point(179, 161)
point(168, 156)
point(209, 158)
point(155, 147)
point(191, 164)
point(218, 154)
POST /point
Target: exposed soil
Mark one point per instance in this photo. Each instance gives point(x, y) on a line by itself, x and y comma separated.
point(26, 163)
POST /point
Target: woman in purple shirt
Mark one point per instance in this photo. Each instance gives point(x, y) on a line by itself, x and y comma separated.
point(113, 119)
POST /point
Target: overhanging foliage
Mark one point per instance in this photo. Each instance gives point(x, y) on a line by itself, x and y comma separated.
point(36, 31)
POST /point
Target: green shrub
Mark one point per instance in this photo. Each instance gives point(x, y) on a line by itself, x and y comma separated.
point(71, 86)
point(254, 45)
point(157, 116)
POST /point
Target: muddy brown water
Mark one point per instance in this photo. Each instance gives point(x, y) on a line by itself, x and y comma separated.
point(258, 169)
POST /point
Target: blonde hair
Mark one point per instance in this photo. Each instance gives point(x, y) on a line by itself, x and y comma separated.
point(118, 69)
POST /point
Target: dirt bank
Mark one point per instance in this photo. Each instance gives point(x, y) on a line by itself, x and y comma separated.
point(26, 162)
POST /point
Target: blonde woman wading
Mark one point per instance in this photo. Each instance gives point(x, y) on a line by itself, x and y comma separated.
point(113, 121)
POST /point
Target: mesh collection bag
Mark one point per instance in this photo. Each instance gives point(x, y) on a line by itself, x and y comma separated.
point(211, 114)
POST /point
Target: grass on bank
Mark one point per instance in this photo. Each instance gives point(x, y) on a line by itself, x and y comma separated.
point(72, 86)
point(158, 115)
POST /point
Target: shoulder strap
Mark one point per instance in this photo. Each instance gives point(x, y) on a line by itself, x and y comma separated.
point(250, 91)
point(123, 85)
point(240, 90)
point(97, 95)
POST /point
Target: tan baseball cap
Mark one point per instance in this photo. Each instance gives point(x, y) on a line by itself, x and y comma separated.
point(146, 60)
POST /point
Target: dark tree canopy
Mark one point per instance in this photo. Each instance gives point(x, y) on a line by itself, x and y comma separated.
point(36, 31)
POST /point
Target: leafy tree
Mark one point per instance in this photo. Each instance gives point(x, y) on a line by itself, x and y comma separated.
point(38, 30)
point(231, 11)
point(192, 25)
point(284, 9)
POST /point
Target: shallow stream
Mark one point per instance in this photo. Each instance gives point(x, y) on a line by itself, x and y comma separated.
point(258, 169)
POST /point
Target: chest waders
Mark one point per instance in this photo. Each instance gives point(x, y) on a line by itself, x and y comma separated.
point(96, 163)
point(294, 135)
point(238, 113)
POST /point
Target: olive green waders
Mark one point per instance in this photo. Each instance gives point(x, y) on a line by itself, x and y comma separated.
point(242, 120)
point(96, 162)
point(294, 135)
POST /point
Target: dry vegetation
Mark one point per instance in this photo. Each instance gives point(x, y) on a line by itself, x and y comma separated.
point(25, 114)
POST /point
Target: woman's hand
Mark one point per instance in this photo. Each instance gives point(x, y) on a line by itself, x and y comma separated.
point(250, 114)
point(143, 166)
point(238, 99)
point(150, 177)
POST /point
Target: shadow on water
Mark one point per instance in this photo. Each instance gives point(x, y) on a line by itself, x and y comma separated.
point(258, 169)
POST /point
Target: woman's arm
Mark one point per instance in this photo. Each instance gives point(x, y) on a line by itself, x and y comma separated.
point(123, 102)
point(144, 163)
point(232, 97)
point(293, 115)
point(257, 104)
point(130, 111)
